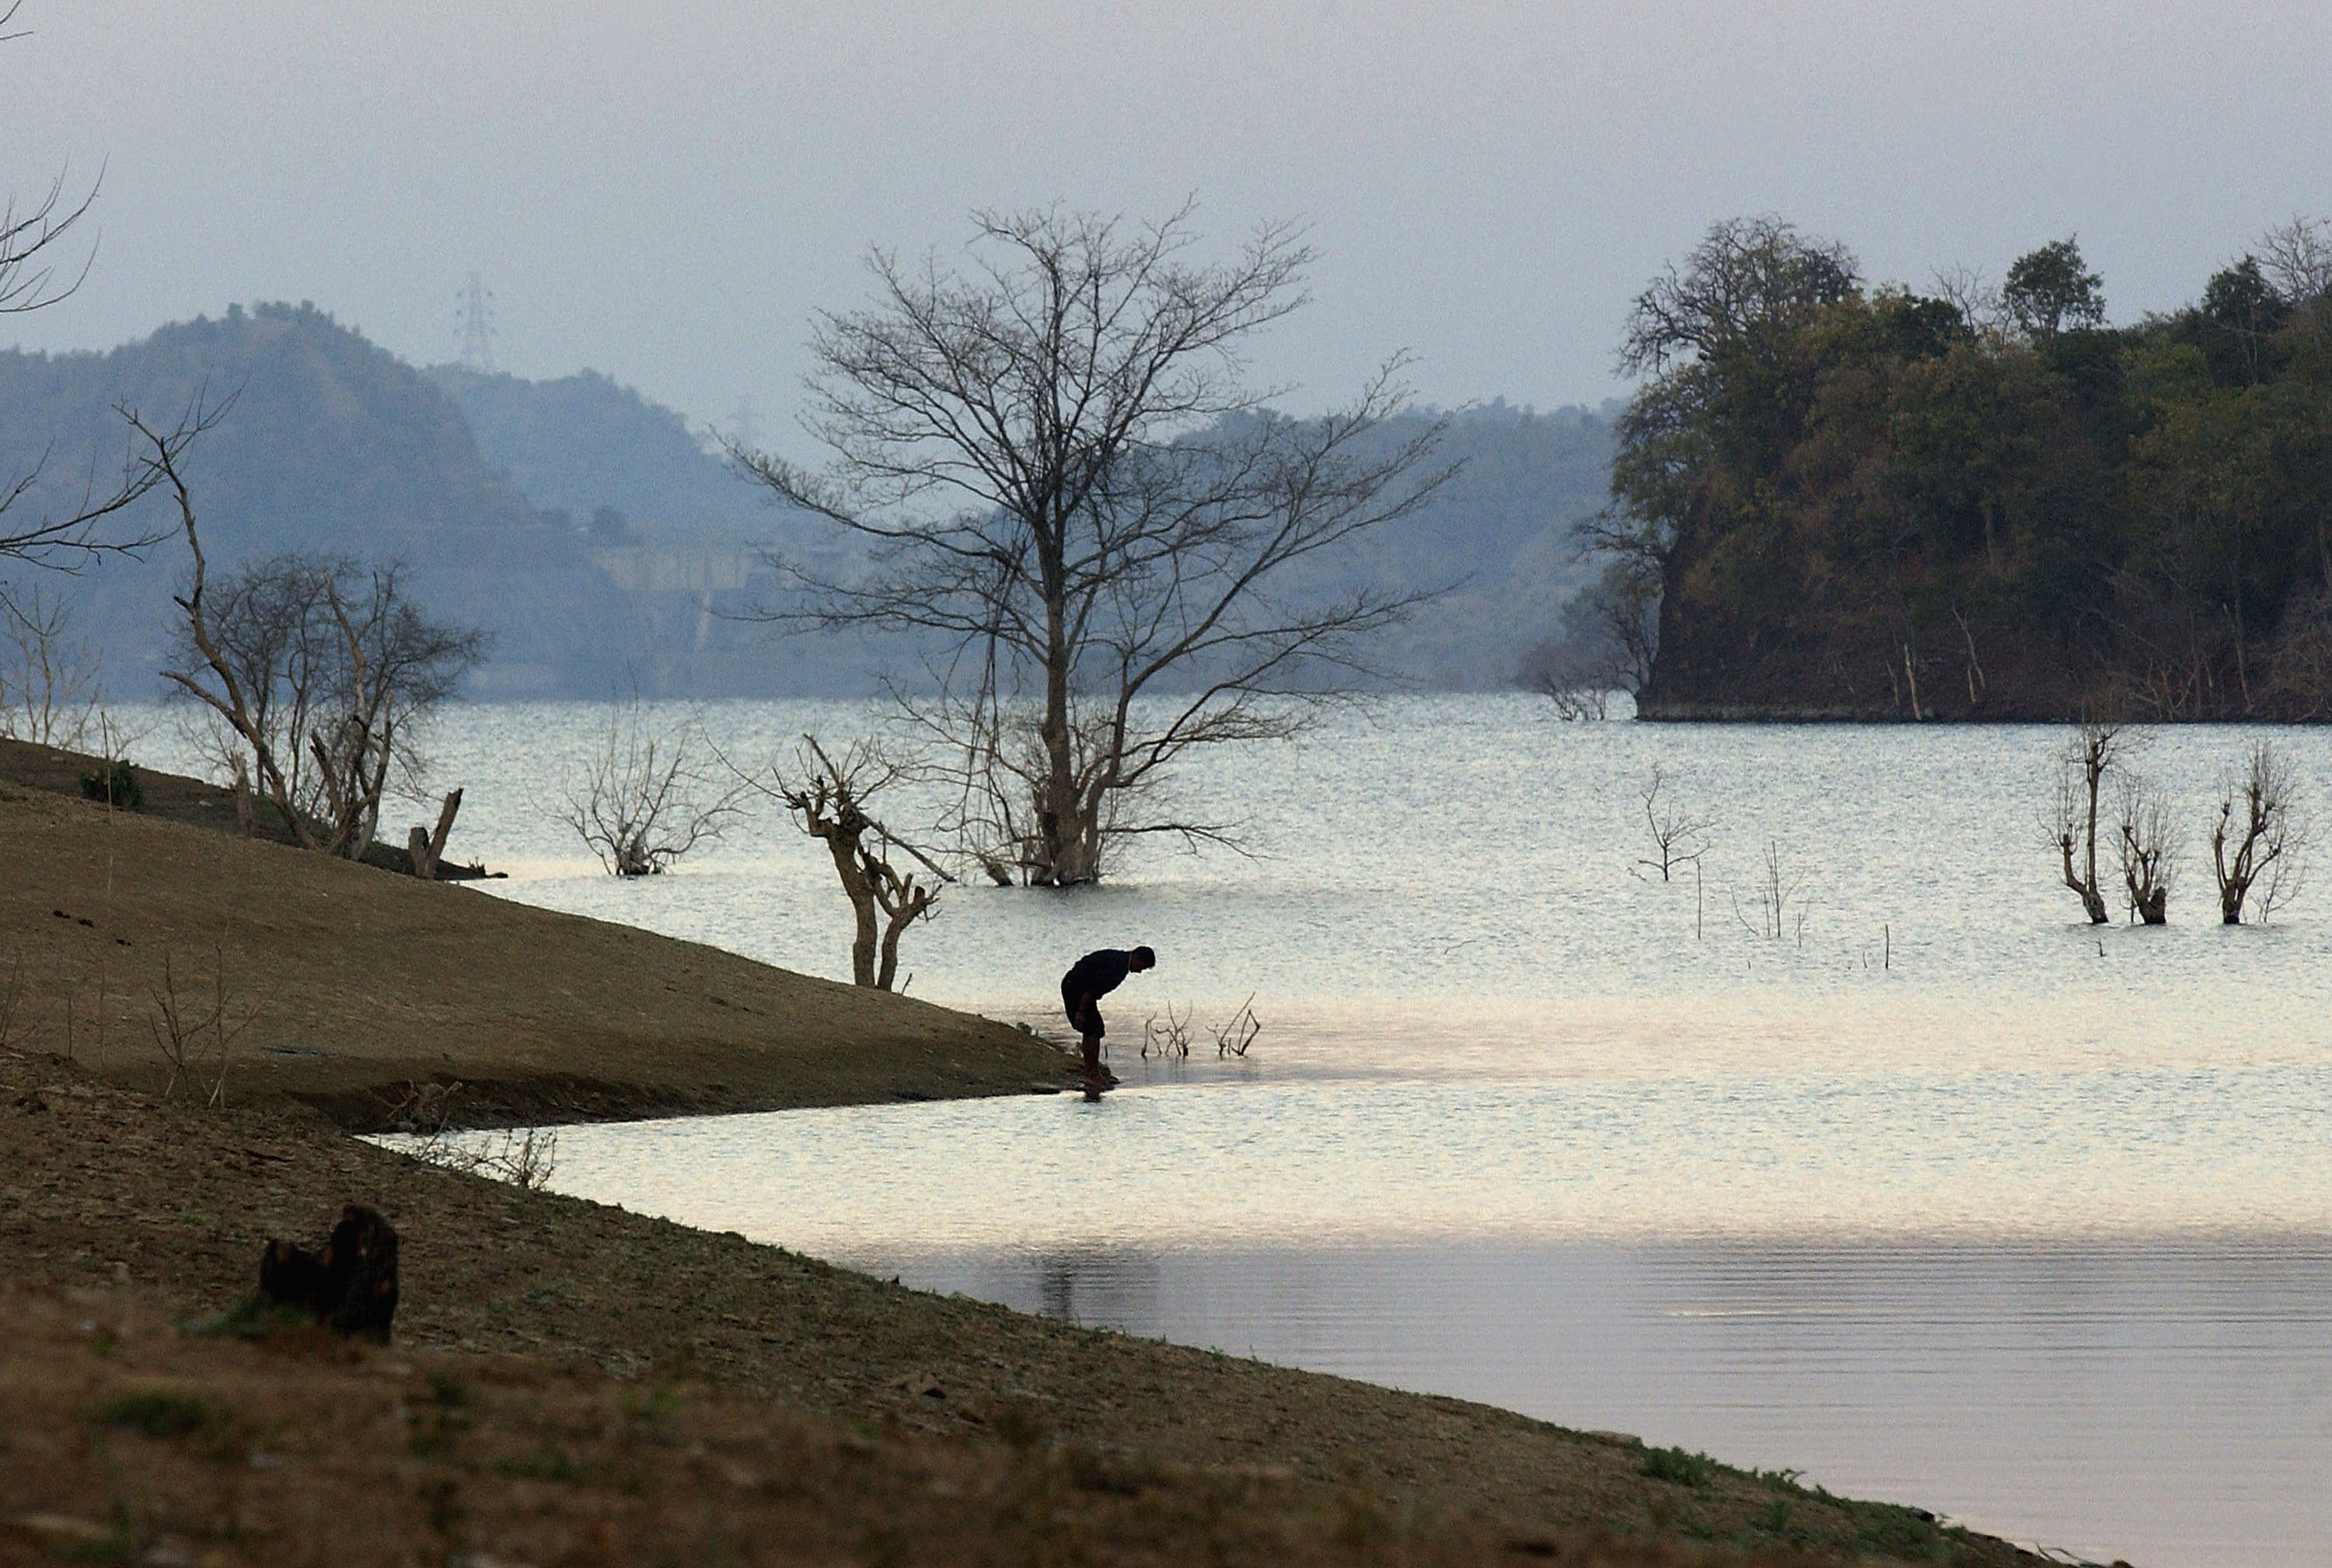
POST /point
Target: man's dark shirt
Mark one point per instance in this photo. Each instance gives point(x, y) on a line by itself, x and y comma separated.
point(1096, 974)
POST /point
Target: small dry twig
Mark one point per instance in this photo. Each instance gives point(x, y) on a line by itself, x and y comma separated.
point(526, 1157)
point(1235, 1037)
point(179, 1031)
point(1171, 1040)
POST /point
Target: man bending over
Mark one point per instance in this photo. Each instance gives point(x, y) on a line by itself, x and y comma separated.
point(1090, 978)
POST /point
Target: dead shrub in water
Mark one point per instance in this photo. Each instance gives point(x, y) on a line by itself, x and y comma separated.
point(1678, 837)
point(2149, 841)
point(1171, 1039)
point(1773, 892)
point(2269, 839)
point(641, 801)
point(1234, 1037)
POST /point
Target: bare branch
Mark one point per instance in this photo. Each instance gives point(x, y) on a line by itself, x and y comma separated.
point(642, 801)
point(829, 797)
point(1054, 474)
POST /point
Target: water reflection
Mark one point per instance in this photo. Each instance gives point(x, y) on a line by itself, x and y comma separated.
point(1945, 1195)
point(2087, 1308)
point(2169, 1402)
point(2136, 1152)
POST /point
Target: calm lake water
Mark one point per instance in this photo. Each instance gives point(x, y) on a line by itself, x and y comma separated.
point(1940, 1195)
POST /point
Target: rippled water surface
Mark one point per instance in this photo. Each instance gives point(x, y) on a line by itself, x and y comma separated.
point(1939, 1194)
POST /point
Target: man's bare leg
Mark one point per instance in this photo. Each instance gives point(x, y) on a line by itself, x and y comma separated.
point(1093, 1061)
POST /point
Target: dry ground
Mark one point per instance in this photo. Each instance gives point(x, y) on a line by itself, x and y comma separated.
point(360, 983)
point(575, 1383)
point(869, 1414)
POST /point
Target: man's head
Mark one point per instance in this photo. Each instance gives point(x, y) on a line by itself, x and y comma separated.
point(1141, 959)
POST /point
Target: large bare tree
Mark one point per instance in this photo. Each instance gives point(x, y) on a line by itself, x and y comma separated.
point(1061, 482)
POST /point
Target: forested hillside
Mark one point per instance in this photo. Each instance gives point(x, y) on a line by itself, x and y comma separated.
point(1865, 501)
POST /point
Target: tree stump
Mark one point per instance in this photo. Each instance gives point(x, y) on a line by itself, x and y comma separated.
point(350, 1286)
point(427, 848)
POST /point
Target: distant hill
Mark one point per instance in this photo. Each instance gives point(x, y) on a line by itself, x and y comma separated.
point(618, 465)
point(1501, 530)
point(587, 530)
point(668, 522)
point(331, 442)
point(673, 521)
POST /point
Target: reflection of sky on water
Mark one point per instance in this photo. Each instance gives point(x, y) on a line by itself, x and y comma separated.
point(2090, 1309)
point(2166, 1402)
point(2123, 1152)
point(1941, 1194)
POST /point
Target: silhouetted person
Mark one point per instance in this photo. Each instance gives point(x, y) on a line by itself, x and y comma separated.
point(1090, 978)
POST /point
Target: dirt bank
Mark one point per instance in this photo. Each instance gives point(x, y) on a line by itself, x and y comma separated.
point(358, 984)
point(568, 1310)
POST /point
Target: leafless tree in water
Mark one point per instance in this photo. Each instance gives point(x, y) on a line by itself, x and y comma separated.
point(2148, 838)
point(1777, 887)
point(643, 799)
point(2092, 753)
point(2259, 843)
point(830, 798)
point(1678, 837)
point(1059, 480)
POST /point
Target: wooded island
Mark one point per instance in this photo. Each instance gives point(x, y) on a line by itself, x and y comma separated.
point(1840, 501)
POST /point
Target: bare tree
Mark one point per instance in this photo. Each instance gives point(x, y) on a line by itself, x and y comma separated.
point(643, 801)
point(1970, 291)
point(49, 689)
point(2297, 257)
point(829, 797)
point(1062, 485)
point(320, 670)
point(2150, 840)
point(2261, 839)
point(1678, 837)
point(2071, 826)
point(1574, 677)
point(1615, 620)
point(1573, 701)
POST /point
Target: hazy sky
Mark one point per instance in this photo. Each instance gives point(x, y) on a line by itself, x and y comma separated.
point(666, 191)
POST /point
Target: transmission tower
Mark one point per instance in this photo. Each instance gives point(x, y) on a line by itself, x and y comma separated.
point(474, 321)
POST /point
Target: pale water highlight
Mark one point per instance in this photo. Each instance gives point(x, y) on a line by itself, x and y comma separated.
point(1926, 1187)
